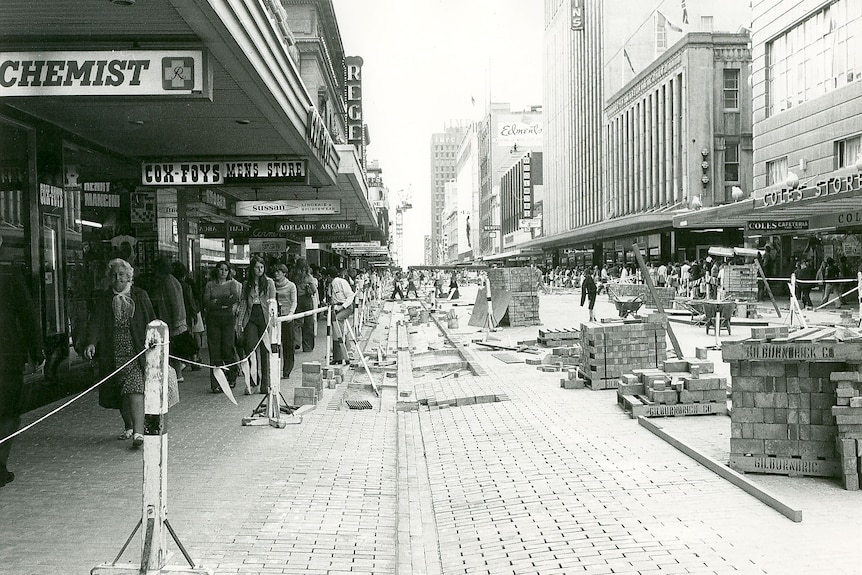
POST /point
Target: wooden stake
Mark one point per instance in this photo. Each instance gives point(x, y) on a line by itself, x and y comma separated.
point(766, 285)
point(659, 307)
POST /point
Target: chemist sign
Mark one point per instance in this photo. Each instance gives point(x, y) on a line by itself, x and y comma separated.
point(105, 73)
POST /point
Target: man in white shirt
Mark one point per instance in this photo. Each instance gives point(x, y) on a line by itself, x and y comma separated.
point(341, 300)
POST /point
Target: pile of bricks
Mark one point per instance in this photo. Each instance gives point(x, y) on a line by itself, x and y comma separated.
point(558, 337)
point(682, 387)
point(783, 394)
point(522, 285)
point(848, 416)
point(665, 295)
point(560, 359)
point(312, 384)
point(740, 282)
point(611, 349)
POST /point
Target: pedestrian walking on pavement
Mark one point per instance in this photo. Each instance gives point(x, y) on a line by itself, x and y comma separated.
point(589, 290)
point(411, 286)
point(285, 293)
point(396, 286)
point(306, 289)
point(116, 332)
point(253, 319)
point(20, 353)
point(221, 297)
point(453, 287)
point(194, 318)
point(166, 295)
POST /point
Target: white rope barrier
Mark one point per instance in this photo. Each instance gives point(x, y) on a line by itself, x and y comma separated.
point(73, 400)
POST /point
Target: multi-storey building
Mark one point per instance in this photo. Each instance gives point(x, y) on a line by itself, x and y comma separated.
point(503, 136)
point(444, 148)
point(807, 105)
point(633, 99)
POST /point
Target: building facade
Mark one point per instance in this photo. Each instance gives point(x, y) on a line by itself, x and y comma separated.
point(807, 107)
point(443, 152)
point(637, 124)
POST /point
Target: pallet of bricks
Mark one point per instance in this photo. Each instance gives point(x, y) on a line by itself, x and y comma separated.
point(848, 417)
point(559, 337)
point(686, 386)
point(795, 402)
point(521, 284)
point(613, 348)
point(740, 283)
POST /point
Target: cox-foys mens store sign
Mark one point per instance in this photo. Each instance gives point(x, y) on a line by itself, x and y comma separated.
point(105, 73)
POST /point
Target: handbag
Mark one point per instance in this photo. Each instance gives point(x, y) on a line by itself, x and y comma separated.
point(184, 346)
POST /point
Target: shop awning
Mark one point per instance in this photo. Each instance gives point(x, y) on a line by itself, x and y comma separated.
point(524, 252)
point(606, 230)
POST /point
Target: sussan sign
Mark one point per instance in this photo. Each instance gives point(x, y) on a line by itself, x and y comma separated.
point(104, 73)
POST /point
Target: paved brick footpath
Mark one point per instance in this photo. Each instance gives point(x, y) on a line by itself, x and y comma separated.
point(561, 481)
point(316, 498)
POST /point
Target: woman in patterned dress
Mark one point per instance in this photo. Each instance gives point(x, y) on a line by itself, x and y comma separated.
point(117, 330)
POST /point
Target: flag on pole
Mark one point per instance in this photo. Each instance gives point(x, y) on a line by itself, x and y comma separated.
point(670, 24)
point(472, 100)
point(684, 13)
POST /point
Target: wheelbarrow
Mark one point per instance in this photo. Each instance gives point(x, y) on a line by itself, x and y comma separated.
point(627, 306)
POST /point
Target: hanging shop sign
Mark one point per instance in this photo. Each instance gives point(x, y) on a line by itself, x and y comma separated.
point(353, 102)
point(50, 196)
point(490, 227)
point(777, 226)
point(267, 245)
point(344, 226)
point(320, 140)
point(97, 195)
point(286, 171)
point(213, 199)
point(288, 207)
point(212, 230)
point(825, 189)
point(527, 203)
point(842, 219)
point(105, 73)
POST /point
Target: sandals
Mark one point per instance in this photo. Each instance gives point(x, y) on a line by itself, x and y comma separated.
point(138, 440)
point(127, 434)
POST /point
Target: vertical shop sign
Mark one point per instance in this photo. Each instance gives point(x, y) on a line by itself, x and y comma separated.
point(353, 99)
point(527, 211)
point(578, 15)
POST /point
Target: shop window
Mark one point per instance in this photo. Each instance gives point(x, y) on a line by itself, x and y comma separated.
point(731, 163)
point(847, 152)
point(776, 171)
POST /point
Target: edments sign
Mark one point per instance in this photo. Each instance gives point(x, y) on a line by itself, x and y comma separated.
point(104, 73)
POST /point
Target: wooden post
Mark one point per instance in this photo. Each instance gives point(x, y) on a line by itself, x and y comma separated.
point(154, 502)
point(328, 353)
point(766, 285)
point(275, 352)
point(659, 307)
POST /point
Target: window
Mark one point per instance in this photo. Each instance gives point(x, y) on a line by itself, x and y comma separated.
point(818, 55)
point(731, 89)
point(776, 171)
point(731, 163)
point(706, 24)
point(847, 151)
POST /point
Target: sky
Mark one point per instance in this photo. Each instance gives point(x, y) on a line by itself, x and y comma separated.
point(425, 61)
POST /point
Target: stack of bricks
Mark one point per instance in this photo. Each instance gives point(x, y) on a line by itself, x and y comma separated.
point(611, 349)
point(740, 282)
point(312, 384)
point(682, 387)
point(558, 337)
point(783, 394)
point(665, 295)
point(848, 416)
point(522, 285)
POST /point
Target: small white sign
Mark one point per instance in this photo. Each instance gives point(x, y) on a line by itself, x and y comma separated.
point(288, 207)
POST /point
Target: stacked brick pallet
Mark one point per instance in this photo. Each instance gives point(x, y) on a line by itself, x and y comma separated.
point(784, 391)
point(848, 416)
point(522, 286)
point(611, 349)
point(682, 387)
point(558, 337)
point(740, 282)
point(665, 295)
